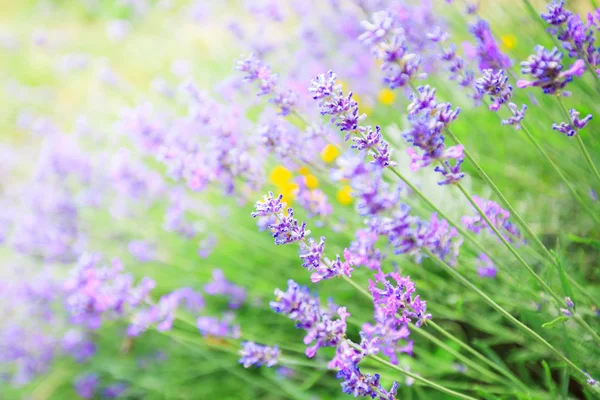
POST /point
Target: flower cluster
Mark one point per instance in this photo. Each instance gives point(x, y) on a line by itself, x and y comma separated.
point(498, 216)
point(455, 64)
point(409, 235)
point(253, 354)
point(494, 83)
point(428, 120)
point(163, 314)
point(546, 69)
point(388, 42)
point(221, 286)
point(286, 229)
point(487, 51)
point(396, 298)
point(577, 37)
point(257, 70)
point(572, 127)
point(96, 291)
point(304, 308)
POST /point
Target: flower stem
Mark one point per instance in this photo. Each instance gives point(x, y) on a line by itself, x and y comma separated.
point(513, 212)
point(459, 277)
point(450, 350)
point(416, 377)
point(582, 147)
point(507, 244)
point(477, 354)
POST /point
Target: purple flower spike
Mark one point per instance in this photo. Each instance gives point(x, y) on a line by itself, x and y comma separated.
point(485, 266)
point(268, 205)
point(495, 84)
point(576, 124)
point(221, 286)
point(487, 51)
point(451, 173)
point(546, 69)
point(557, 14)
point(253, 354)
point(517, 115)
point(86, 386)
point(311, 253)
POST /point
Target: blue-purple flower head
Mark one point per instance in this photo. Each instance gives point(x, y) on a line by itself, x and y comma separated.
point(345, 114)
point(388, 43)
point(396, 298)
point(257, 70)
point(253, 354)
point(572, 127)
point(305, 308)
point(494, 83)
point(546, 70)
point(285, 229)
point(556, 13)
point(487, 51)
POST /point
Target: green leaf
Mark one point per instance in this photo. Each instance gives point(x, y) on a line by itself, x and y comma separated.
point(564, 279)
point(589, 241)
point(548, 325)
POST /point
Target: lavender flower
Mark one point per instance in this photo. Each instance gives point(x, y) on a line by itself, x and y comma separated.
point(498, 216)
point(392, 335)
point(546, 68)
point(257, 70)
point(485, 266)
point(286, 228)
point(221, 286)
point(517, 115)
point(388, 43)
point(396, 298)
point(304, 308)
point(495, 84)
point(224, 327)
point(569, 303)
point(253, 354)
point(575, 125)
point(487, 51)
point(86, 385)
point(557, 14)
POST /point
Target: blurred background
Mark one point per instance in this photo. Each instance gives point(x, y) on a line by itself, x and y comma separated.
point(90, 88)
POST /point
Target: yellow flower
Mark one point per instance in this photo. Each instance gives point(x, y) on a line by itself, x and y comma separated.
point(280, 175)
point(311, 181)
point(303, 171)
point(344, 195)
point(386, 96)
point(288, 191)
point(509, 41)
point(329, 153)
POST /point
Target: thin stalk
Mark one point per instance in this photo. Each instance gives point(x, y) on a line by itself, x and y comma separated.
point(513, 212)
point(483, 371)
point(459, 277)
point(462, 344)
point(565, 180)
point(416, 377)
point(477, 354)
point(507, 244)
point(582, 147)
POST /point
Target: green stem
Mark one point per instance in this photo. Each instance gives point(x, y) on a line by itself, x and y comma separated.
point(447, 334)
point(513, 212)
point(416, 377)
point(507, 244)
point(565, 180)
point(483, 371)
point(477, 354)
point(582, 147)
point(459, 277)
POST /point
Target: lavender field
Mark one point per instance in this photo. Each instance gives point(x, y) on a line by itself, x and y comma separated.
point(299, 199)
